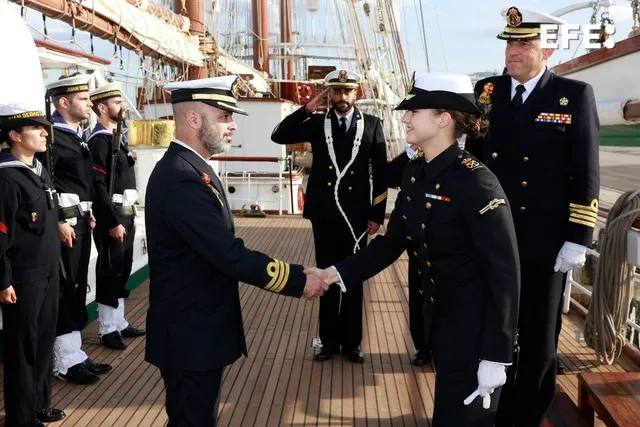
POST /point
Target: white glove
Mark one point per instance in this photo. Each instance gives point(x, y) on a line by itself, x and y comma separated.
point(571, 255)
point(490, 376)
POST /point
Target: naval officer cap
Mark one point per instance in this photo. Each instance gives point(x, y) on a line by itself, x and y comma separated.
point(524, 24)
point(13, 116)
point(69, 85)
point(106, 91)
point(446, 91)
point(215, 91)
point(342, 79)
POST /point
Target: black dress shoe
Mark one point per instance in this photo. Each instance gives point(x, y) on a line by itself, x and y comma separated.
point(96, 368)
point(78, 374)
point(113, 340)
point(421, 358)
point(325, 353)
point(131, 332)
point(50, 415)
point(354, 356)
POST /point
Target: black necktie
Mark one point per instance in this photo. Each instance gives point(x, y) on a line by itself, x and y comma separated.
point(343, 124)
point(516, 102)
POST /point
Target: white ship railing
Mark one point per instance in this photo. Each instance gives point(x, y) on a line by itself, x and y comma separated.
point(247, 176)
point(571, 284)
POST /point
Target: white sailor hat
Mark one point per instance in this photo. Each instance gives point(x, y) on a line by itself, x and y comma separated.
point(524, 24)
point(215, 91)
point(342, 79)
point(109, 90)
point(12, 116)
point(69, 85)
point(445, 91)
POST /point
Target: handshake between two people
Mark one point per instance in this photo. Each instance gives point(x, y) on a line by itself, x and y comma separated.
point(319, 280)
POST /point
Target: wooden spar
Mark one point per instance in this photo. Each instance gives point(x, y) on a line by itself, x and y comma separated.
point(286, 36)
point(260, 19)
point(194, 10)
point(86, 20)
point(56, 47)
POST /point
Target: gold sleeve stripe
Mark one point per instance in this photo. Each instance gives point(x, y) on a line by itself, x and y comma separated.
point(593, 207)
point(589, 215)
point(278, 271)
point(380, 198)
point(273, 270)
point(585, 223)
point(583, 217)
point(284, 279)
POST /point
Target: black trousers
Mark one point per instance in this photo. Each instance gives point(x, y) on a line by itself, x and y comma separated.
point(191, 397)
point(29, 333)
point(72, 314)
point(114, 264)
point(454, 383)
point(340, 320)
point(421, 341)
point(530, 386)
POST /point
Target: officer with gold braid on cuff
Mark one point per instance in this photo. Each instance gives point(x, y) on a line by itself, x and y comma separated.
point(543, 147)
point(194, 322)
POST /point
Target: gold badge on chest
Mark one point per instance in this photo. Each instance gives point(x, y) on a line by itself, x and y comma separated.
point(564, 101)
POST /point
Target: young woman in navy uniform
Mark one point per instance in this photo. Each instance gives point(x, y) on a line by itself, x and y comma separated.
point(454, 214)
point(29, 256)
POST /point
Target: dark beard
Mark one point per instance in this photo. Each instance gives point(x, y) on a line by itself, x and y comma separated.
point(342, 107)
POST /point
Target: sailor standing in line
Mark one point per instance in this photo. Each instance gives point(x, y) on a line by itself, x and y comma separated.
point(543, 147)
point(339, 204)
point(453, 212)
point(115, 213)
point(29, 256)
point(73, 178)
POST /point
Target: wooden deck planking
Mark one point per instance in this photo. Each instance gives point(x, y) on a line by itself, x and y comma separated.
point(279, 384)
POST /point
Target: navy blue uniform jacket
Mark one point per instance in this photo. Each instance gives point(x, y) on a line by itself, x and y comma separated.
point(195, 262)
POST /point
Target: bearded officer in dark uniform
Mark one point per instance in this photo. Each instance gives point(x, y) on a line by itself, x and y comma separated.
point(29, 256)
point(115, 214)
point(340, 203)
point(543, 147)
point(194, 322)
point(73, 178)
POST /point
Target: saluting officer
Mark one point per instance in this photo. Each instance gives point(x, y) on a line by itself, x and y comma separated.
point(543, 147)
point(74, 181)
point(345, 144)
point(194, 322)
point(29, 255)
point(452, 211)
point(115, 213)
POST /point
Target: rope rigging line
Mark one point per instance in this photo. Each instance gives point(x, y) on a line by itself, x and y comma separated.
point(612, 286)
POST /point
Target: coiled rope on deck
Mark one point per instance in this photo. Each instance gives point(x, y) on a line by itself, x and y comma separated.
point(609, 307)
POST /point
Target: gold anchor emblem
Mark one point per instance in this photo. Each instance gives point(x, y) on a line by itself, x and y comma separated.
point(492, 205)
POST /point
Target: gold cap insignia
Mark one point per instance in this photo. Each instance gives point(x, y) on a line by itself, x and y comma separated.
point(564, 101)
point(514, 17)
point(343, 76)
